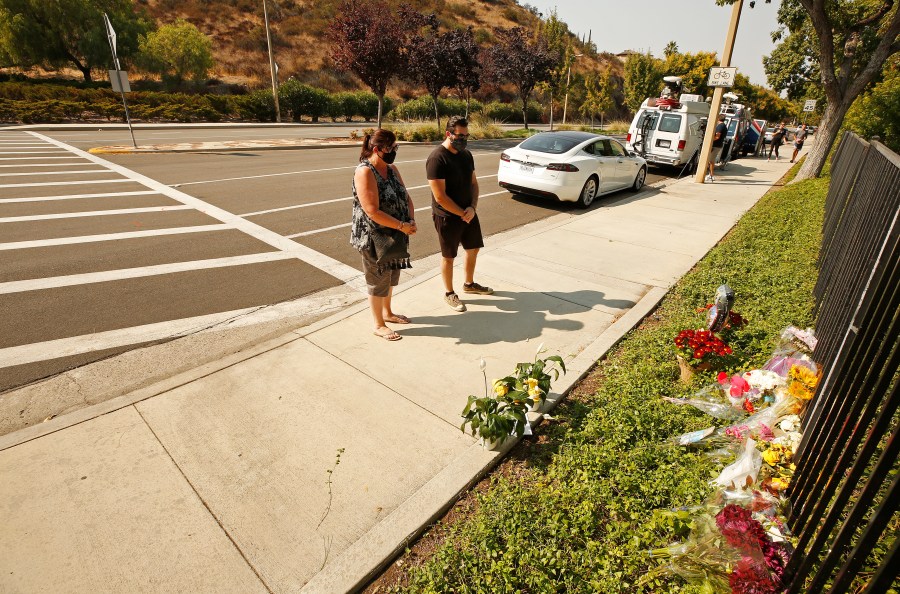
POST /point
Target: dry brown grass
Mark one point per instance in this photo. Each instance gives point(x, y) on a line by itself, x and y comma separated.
point(298, 27)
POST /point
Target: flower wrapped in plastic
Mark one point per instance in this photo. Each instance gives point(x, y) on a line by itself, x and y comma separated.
point(795, 347)
point(731, 551)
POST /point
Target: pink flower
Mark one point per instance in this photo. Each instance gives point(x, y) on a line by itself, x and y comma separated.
point(765, 433)
point(738, 386)
point(722, 377)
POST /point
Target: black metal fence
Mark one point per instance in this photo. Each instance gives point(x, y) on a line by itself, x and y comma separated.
point(845, 494)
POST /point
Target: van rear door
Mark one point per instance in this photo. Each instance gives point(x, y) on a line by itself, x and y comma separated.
point(668, 133)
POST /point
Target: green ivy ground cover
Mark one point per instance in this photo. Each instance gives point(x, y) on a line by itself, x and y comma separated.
point(584, 507)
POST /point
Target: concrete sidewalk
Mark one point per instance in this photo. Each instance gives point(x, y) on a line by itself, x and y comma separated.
point(305, 463)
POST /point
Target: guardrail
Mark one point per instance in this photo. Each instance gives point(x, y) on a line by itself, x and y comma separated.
point(845, 493)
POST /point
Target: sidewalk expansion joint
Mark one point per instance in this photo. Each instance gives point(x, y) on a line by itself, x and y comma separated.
point(203, 501)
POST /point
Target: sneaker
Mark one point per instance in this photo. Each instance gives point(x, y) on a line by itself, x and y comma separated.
point(708, 179)
point(477, 289)
point(453, 301)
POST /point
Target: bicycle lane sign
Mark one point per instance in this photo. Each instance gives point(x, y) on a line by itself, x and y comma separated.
point(722, 76)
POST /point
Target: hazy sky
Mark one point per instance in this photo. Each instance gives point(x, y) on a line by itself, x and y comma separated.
point(695, 25)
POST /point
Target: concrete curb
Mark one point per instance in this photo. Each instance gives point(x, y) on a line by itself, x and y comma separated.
point(369, 555)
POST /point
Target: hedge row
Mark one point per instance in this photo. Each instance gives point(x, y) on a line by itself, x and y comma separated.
point(50, 103)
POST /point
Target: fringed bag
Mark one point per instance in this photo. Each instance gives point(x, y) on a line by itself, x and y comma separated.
point(389, 248)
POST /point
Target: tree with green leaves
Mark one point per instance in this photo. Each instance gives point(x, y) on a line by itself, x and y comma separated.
point(598, 96)
point(557, 37)
point(842, 43)
point(876, 112)
point(522, 60)
point(58, 33)
point(372, 40)
point(671, 49)
point(692, 68)
point(176, 52)
point(643, 78)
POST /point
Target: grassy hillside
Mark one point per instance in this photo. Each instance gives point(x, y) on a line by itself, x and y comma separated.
point(299, 26)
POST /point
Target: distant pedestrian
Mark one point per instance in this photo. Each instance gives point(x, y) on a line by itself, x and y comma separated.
point(777, 141)
point(383, 219)
point(718, 141)
point(454, 188)
point(799, 137)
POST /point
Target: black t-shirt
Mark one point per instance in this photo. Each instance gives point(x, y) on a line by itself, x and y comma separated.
point(456, 170)
point(722, 131)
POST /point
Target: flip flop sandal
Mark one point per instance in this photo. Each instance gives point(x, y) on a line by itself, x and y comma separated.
point(390, 335)
point(398, 319)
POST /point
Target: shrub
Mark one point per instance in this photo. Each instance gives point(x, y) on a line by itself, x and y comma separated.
point(512, 112)
point(368, 105)
point(258, 105)
point(422, 108)
point(302, 100)
point(343, 105)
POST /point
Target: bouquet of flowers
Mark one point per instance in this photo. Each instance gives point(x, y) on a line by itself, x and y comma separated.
point(697, 345)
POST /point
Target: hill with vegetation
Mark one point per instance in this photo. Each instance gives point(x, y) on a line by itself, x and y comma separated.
point(299, 27)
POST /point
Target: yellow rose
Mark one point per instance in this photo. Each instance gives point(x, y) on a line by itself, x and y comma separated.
point(779, 484)
point(500, 389)
point(536, 393)
point(532, 384)
point(772, 457)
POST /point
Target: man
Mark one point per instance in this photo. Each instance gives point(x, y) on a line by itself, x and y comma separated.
point(719, 135)
point(799, 137)
point(454, 189)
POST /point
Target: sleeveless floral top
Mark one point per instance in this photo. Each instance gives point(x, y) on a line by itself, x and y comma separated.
point(392, 199)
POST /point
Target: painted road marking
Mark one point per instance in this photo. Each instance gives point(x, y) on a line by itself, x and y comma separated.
point(335, 268)
point(19, 245)
point(33, 173)
point(139, 272)
point(342, 168)
point(76, 345)
point(67, 183)
point(333, 200)
point(343, 225)
point(46, 165)
point(75, 196)
point(34, 158)
point(93, 213)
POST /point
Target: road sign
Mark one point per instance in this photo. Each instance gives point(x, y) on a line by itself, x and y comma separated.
point(810, 105)
point(722, 76)
point(119, 80)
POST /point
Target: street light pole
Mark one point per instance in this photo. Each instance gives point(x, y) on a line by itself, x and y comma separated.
point(272, 64)
point(702, 167)
point(568, 77)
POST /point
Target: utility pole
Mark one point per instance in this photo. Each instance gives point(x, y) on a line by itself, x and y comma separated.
point(272, 64)
point(702, 168)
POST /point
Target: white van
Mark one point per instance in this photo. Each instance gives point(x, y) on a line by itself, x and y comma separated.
point(669, 131)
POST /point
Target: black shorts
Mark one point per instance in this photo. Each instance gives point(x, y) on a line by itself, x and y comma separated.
point(453, 231)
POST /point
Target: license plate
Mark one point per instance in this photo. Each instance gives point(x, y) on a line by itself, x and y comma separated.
point(526, 168)
point(663, 143)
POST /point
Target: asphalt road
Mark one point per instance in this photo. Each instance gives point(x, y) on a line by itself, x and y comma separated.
point(102, 255)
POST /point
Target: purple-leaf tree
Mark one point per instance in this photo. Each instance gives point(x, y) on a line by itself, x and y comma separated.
point(522, 60)
point(373, 41)
point(440, 60)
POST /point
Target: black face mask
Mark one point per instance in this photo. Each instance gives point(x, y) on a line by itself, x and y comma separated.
point(389, 157)
point(459, 143)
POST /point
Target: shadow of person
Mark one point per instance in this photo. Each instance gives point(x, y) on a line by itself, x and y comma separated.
point(508, 317)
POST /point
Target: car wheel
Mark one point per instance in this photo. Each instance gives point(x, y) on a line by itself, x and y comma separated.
point(588, 192)
point(639, 179)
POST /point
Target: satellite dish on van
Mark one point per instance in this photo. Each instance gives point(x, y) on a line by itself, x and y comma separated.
point(672, 79)
point(729, 97)
point(673, 87)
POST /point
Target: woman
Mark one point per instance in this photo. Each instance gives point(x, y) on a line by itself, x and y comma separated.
point(777, 141)
point(381, 203)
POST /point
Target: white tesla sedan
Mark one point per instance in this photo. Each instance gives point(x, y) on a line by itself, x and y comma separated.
point(570, 166)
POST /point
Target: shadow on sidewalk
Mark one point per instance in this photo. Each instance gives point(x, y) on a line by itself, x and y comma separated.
point(513, 317)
